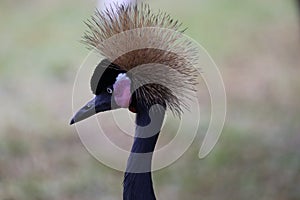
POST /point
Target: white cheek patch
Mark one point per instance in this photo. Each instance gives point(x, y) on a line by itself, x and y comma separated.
point(122, 91)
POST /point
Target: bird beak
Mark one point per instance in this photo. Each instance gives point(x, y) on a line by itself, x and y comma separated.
point(98, 104)
point(86, 111)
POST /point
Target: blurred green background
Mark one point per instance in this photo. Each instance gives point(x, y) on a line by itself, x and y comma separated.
point(256, 45)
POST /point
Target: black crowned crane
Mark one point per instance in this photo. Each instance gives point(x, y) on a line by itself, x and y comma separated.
point(148, 91)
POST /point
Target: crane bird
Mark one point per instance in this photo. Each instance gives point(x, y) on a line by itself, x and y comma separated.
point(117, 84)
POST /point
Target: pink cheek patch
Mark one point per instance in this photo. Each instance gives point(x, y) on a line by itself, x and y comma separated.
point(122, 91)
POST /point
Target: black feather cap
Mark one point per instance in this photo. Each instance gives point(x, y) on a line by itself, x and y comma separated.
point(104, 76)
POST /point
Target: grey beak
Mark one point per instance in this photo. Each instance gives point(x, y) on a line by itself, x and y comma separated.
point(85, 112)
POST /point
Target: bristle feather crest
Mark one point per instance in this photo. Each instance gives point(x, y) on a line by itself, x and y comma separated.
point(151, 48)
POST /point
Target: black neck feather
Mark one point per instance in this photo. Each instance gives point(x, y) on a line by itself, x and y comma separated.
point(138, 180)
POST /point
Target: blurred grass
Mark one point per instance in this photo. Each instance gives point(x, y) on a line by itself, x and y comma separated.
point(256, 45)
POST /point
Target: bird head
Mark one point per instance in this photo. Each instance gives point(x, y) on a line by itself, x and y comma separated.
point(136, 44)
point(112, 89)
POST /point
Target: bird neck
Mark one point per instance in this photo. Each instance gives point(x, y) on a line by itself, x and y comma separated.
point(138, 180)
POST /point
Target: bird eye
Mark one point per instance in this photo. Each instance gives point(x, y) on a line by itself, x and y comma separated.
point(109, 90)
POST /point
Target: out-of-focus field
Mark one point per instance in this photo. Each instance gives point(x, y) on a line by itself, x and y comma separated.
point(256, 45)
